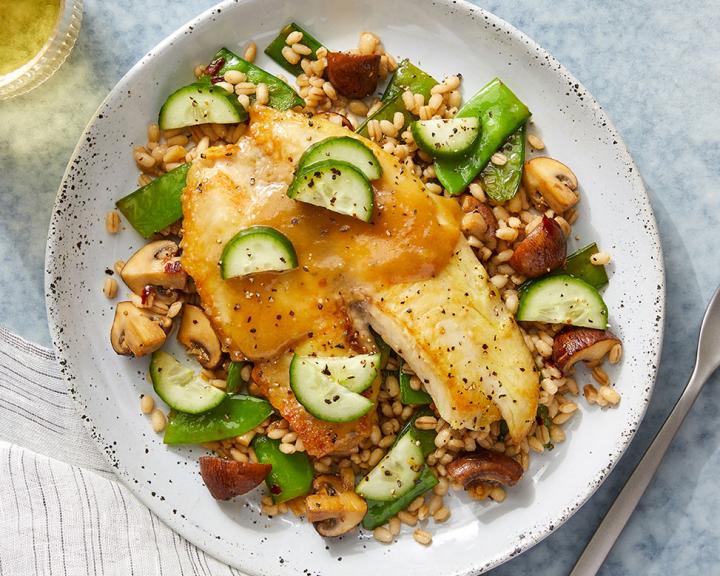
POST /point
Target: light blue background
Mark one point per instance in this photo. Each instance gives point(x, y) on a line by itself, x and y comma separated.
point(654, 66)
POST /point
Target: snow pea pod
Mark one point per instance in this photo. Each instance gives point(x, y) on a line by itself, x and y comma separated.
point(291, 475)
point(578, 264)
point(234, 382)
point(406, 77)
point(156, 205)
point(501, 183)
point(407, 394)
point(281, 96)
point(274, 49)
point(501, 113)
point(234, 417)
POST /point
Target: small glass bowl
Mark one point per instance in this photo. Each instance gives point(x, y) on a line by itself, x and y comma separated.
point(33, 73)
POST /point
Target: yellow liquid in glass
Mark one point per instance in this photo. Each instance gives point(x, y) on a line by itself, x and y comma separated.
point(25, 27)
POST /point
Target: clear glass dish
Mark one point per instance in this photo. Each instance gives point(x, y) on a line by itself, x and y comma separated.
point(49, 58)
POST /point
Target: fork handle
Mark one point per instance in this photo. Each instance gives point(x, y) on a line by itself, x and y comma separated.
point(609, 529)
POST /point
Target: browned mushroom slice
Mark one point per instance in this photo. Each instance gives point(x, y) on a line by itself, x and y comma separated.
point(155, 264)
point(353, 75)
point(574, 344)
point(484, 466)
point(137, 331)
point(197, 335)
point(335, 508)
point(541, 251)
point(550, 183)
point(226, 479)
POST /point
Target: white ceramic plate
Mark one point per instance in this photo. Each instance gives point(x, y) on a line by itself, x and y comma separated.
point(442, 37)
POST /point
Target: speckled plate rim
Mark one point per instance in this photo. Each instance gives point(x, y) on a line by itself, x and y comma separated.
point(533, 534)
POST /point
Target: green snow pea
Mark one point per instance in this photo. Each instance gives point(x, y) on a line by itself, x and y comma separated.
point(291, 475)
point(501, 183)
point(234, 417)
point(406, 77)
point(282, 96)
point(156, 205)
point(501, 113)
point(274, 49)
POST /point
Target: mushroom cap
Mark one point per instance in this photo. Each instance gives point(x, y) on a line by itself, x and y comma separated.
point(197, 335)
point(549, 182)
point(541, 251)
point(573, 344)
point(335, 508)
point(155, 264)
point(484, 465)
point(136, 331)
point(353, 75)
point(226, 479)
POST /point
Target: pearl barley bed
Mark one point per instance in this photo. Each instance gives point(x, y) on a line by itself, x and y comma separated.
point(375, 286)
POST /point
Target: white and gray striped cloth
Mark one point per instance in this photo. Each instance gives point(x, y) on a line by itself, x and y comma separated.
point(61, 509)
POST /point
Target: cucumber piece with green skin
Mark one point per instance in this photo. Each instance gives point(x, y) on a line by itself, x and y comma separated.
point(200, 103)
point(257, 249)
point(179, 386)
point(379, 511)
point(156, 205)
point(321, 395)
point(356, 373)
point(563, 299)
point(274, 49)
point(501, 183)
point(342, 148)
point(336, 185)
point(501, 113)
point(281, 96)
point(396, 473)
point(446, 138)
point(578, 264)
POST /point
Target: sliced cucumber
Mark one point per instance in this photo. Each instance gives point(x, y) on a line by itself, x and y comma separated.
point(336, 185)
point(563, 299)
point(396, 473)
point(446, 138)
point(343, 148)
point(356, 373)
point(180, 387)
point(200, 103)
point(257, 249)
point(321, 395)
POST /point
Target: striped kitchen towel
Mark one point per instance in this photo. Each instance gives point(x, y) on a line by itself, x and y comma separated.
point(61, 509)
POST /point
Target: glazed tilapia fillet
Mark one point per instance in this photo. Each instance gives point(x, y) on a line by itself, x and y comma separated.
point(439, 312)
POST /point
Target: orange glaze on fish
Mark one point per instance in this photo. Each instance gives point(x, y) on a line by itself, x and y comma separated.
point(266, 316)
point(411, 236)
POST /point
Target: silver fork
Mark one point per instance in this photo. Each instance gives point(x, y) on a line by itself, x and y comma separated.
point(707, 361)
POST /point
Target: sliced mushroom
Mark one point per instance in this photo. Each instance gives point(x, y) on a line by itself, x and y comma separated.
point(550, 183)
point(353, 75)
point(335, 508)
point(197, 335)
point(588, 344)
point(155, 264)
point(226, 479)
point(541, 251)
point(484, 466)
point(137, 331)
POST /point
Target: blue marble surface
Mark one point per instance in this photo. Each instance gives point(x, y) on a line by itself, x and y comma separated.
point(654, 66)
